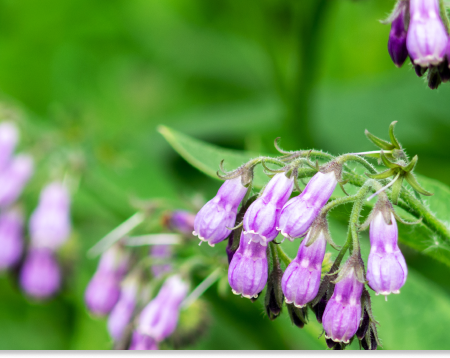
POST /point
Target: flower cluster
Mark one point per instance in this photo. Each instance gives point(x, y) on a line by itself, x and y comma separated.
point(339, 299)
point(419, 29)
point(122, 286)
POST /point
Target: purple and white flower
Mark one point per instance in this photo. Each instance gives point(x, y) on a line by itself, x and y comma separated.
point(11, 238)
point(13, 178)
point(142, 342)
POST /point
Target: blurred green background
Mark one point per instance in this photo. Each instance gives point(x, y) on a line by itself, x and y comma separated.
point(99, 76)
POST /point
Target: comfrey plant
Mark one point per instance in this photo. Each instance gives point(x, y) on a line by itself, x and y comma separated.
point(420, 30)
point(336, 291)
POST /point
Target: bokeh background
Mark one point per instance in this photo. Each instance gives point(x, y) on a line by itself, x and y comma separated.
point(98, 77)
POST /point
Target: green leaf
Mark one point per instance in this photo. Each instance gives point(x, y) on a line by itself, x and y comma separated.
point(381, 143)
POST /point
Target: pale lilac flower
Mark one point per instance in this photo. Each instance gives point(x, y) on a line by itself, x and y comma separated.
point(397, 38)
point(40, 275)
point(248, 271)
point(213, 221)
point(261, 218)
point(160, 317)
point(161, 252)
point(142, 342)
point(343, 312)
point(182, 221)
point(427, 37)
point(300, 212)
point(386, 269)
point(13, 178)
point(9, 135)
point(301, 280)
point(50, 222)
point(11, 238)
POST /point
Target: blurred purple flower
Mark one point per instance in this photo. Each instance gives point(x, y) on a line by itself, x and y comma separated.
point(161, 252)
point(397, 37)
point(11, 238)
point(9, 135)
point(13, 179)
point(142, 342)
point(182, 221)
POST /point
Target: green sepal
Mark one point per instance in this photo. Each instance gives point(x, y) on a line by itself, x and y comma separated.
point(387, 162)
point(381, 143)
point(396, 188)
point(411, 179)
point(386, 174)
point(394, 140)
point(412, 164)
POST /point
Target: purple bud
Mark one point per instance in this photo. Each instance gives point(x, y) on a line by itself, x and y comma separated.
point(122, 312)
point(213, 220)
point(142, 342)
point(161, 252)
point(50, 222)
point(40, 275)
point(397, 38)
point(301, 280)
point(299, 213)
point(13, 179)
point(9, 136)
point(343, 312)
point(262, 216)
point(248, 271)
point(11, 238)
point(160, 317)
point(427, 38)
point(386, 269)
point(181, 221)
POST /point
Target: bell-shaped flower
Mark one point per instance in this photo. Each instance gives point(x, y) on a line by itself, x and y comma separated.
point(262, 216)
point(300, 212)
point(213, 222)
point(386, 268)
point(397, 37)
point(248, 270)
point(11, 238)
point(13, 179)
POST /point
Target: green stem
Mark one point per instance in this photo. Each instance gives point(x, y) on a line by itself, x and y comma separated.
point(356, 212)
point(355, 158)
point(282, 255)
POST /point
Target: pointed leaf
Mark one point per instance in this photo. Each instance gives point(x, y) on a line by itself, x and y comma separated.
point(381, 143)
point(396, 188)
point(394, 140)
point(411, 165)
point(386, 174)
point(386, 161)
point(415, 185)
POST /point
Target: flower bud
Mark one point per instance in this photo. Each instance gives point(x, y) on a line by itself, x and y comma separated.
point(9, 135)
point(142, 342)
point(50, 222)
point(248, 271)
point(160, 317)
point(319, 308)
point(13, 179)
point(262, 216)
point(427, 38)
point(122, 312)
point(181, 221)
point(11, 238)
point(343, 312)
point(161, 252)
point(299, 213)
point(364, 326)
point(274, 293)
point(386, 269)
point(297, 315)
point(213, 221)
point(40, 275)
point(397, 38)
point(301, 280)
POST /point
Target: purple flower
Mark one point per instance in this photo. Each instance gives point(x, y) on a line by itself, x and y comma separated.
point(299, 213)
point(427, 38)
point(161, 252)
point(248, 271)
point(343, 312)
point(122, 312)
point(11, 238)
point(40, 275)
point(9, 136)
point(386, 269)
point(50, 222)
point(397, 38)
point(301, 280)
point(142, 342)
point(213, 220)
point(160, 317)
point(261, 218)
point(181, 221)
point(13, 178)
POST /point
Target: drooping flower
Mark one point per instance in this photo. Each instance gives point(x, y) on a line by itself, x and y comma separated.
point(386, 268)
point(9, 136)
point(213, 221)
point(180, 220)
point(301, 280)
point(40, 276)
point(427, 37)
point(142, 342)
point(13, 178)
point(11, 238)
point(262, 216)
point(397, 37)
point(300, 212)
point(343, 312)
point(248, 271)
point(50, 222)
point(159, 318)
